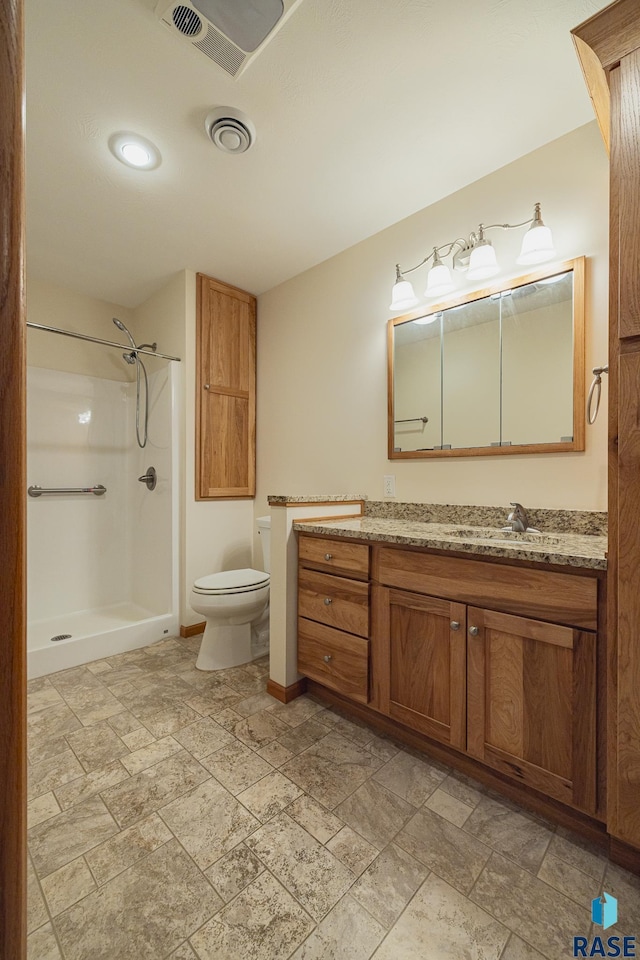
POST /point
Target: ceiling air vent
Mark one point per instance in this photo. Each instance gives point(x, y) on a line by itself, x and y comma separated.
point(230, 32)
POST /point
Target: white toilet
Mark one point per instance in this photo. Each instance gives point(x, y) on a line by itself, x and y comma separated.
point(232, 602)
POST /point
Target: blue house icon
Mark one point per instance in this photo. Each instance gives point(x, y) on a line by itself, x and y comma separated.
point(604, 910)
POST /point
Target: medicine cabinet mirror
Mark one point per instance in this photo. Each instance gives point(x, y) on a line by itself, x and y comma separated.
point(500, 371)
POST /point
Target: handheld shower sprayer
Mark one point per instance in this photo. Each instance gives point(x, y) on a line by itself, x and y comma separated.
point(133, 358)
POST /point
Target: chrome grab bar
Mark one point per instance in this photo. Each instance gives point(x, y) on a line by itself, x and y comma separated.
point(36, 491)
point(414, 420)
point(596, 387)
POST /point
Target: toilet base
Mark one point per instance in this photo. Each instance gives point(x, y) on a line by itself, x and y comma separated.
point(225, 646)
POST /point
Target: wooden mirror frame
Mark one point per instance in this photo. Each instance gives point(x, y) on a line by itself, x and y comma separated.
point(578, 443)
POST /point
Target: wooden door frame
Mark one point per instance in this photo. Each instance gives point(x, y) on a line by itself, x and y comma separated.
point(13, 926)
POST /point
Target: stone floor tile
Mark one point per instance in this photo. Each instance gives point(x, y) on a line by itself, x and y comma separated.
point(626, 887)
point(36, 907)
point(383, 748)
point(242, 682)
point(331, 769)
point(263, 922)
point(297, 711)
point(171, 719)
point(137, 739)
point(454, 855)
point(137, 797)
point(452, 809)
point(388, 884)
point(45, 696)
point(259, 729)
point(41, 809)
point(269, 796)
point(348, 932)
point(234, 871)
point(579, 853)
point(213, 700)
point(410, 778)
point(142, 914)
point(510, 832)
point(124, 723)
point(208, 822)
point(274, 753)
point(375, 812)
point(311, 815)
point(135, 843)
point(236, 767)
point(49, 774)
point(153, 753)
point(568, 880)
point(255, 704)
point(62, 839)
point(354, 730)
point(203, 737)
point(440, 923)
point(462, 788)
point(98, 667)
point(313, 875)
point(39, 749)
point(517, 949)
point(304, 735)
point(184, 952)
point(353, 850)
point(87, 697)
point(227, 718)
point(258, 668)
point(66, 886)
point(42, 945)
point(90, 784)
point(530, 908)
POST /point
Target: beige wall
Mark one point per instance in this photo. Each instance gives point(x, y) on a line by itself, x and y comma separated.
point(59, 307)
point(322, 362)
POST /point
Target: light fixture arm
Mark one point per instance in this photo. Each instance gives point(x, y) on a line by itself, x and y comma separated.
point(434, 255)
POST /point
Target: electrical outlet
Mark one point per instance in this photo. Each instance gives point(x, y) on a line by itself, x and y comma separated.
point(389, 485)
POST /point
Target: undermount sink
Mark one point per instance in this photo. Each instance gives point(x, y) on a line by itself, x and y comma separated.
point(491, 535)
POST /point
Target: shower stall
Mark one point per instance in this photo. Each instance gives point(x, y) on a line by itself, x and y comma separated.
point(102, 513)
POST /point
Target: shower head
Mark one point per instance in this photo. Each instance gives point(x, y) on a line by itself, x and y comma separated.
point(120, 325)
point(130, 357)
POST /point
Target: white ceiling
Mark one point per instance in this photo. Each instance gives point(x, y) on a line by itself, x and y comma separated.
point(366, 111)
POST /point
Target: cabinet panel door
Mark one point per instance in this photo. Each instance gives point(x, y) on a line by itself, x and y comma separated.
point(226, 374)
point(419, 660)
point(532, 703)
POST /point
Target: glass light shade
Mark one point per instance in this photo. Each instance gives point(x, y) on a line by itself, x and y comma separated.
point(483, 262)
point(402, 296)
point(430, 318)
point(537, 245)
point(439, 281)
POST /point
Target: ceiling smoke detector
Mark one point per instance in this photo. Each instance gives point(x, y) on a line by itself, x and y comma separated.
point(230, 130)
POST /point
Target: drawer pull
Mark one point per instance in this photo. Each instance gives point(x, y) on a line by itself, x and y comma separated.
point(327, 601)
point(328, 556)
point(474, 631)
point(327, 657)
point(455, 624)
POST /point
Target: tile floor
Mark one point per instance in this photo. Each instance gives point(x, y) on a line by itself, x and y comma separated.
point(178, 814)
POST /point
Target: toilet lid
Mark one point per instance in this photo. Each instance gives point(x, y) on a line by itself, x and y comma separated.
point(230, 581)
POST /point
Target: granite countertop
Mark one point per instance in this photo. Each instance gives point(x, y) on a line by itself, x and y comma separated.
point(564, 548)
point(283, 498)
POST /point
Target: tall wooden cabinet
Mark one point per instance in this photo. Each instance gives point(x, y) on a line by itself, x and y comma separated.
point(609, 49)
point(225, 391)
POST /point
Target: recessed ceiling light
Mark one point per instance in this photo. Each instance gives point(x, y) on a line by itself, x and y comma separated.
point(135, 151)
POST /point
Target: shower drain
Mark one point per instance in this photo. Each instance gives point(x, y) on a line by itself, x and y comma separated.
point(61, 636)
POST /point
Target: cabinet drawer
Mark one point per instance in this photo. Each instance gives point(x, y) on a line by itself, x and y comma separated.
point(351, 559)
point(543, 594)
point(335, 601)
point(336, 659)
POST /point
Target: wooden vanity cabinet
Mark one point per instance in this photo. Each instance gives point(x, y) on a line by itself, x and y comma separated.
point(531, 703)
point(333, 615)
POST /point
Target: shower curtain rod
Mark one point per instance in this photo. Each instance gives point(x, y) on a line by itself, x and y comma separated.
point(107, 343)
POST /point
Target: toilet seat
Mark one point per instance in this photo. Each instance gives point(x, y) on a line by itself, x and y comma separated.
point(231, 582)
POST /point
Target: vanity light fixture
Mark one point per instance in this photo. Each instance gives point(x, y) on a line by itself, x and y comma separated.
point(134, 151)
point(430, 318)
point(476, 255)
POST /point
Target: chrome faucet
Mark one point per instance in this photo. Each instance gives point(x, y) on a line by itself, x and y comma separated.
point(518, 519)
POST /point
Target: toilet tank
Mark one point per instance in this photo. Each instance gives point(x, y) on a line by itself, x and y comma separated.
point(264, 530)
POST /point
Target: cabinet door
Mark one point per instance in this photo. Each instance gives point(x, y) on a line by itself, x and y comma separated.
point(226, 386)
point(418, 663)
point(531, 709)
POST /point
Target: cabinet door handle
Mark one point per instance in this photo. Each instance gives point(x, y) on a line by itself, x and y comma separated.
point(327, 601)
point(474, 631)
point(207, 385)
point(328, 556)
point(455, 624)
point(327, 657)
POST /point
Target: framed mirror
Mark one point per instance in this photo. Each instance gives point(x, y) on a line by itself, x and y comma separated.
point(499, 371)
